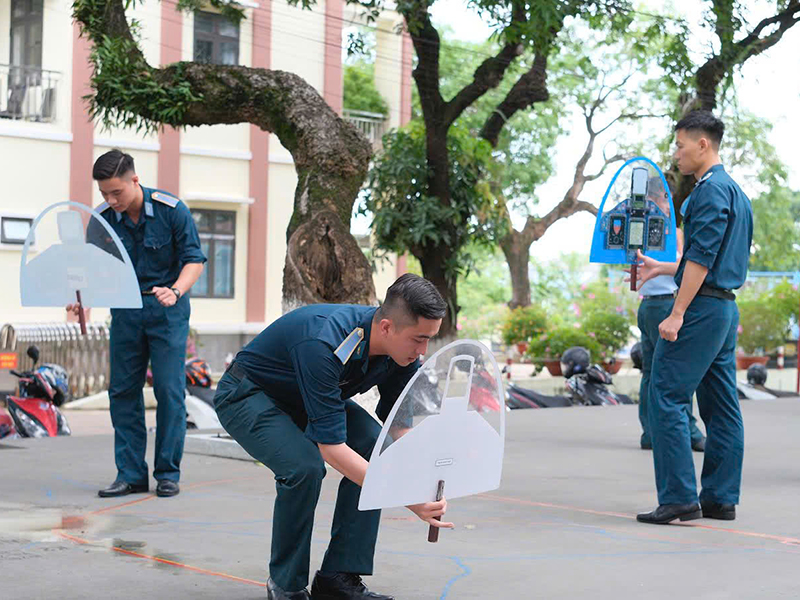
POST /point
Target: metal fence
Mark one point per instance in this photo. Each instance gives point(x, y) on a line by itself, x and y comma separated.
point(85, 357)
point(372, 125)
point(28, 93)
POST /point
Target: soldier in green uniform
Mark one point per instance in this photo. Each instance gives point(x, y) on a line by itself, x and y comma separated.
point(697, 347)
point(286, 399)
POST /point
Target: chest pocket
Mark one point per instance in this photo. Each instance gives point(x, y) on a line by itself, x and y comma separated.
point(158, 249)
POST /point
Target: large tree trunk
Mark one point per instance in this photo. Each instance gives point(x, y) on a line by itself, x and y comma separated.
point(433, 268)
point(323, 261)
point(517, 254)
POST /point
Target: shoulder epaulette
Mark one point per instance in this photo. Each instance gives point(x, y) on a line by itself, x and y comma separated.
point(103, 207)
point(705, 177)
point(164, 198)
point(348, 346)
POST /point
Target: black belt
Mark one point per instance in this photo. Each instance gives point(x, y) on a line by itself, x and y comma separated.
point(236, 371)
point(712, 292)
point(660, 297)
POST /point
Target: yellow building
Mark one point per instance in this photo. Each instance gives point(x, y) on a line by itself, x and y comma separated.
point(238, 181)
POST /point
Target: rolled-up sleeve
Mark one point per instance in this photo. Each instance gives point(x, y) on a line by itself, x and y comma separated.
point(318, 372)
point(709, 215)
point(391, 389)
point(185, 233)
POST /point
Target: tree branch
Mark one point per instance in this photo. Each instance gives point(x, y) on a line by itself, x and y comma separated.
point(331, 157)
point(427, 45)
point(529, 89)
point(787, 18)
point(487, 76)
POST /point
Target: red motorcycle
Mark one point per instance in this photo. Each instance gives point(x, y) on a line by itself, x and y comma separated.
point(35, 413)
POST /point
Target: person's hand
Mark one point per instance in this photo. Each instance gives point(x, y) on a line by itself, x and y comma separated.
point(430, 511)
point(74, 309)
point(165, 296)
point(669, 327)
point(647, 268)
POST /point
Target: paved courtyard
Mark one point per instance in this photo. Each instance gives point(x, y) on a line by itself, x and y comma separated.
point(562, 525)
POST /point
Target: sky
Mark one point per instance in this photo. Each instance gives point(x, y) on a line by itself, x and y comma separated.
point(769, 87)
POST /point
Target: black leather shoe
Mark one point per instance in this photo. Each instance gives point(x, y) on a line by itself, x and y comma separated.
point(122, 488)
point(342, 586)
point(666, 513)
point(715, 510)
point(699, 445)
point(166, 488)
point(276, 593)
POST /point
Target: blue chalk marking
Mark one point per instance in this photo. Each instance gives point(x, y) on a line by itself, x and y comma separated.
point(465, 570)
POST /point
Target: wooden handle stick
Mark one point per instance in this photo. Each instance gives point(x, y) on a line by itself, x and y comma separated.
point(433, 532)
point(81, 315)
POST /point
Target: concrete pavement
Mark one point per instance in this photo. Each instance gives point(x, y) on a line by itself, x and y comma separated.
point(562, 525)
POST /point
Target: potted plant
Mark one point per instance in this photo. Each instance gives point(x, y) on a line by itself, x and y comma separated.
point(550, 345)
point(611, 331)
point(763, 326)
point(523, 324)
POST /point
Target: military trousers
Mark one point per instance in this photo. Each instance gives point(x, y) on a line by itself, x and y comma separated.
point(652, 311)
point(274, 436)
point(702, 359)
point(155, 334)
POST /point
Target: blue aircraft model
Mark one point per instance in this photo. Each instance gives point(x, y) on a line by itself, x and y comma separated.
point(642, 217)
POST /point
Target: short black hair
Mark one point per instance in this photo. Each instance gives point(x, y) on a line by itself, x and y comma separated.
point(655, 187)
point(412, 297)
point(705, 122)
point(114, 163)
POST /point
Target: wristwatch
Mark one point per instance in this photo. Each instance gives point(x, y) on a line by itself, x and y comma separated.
point(177, 293)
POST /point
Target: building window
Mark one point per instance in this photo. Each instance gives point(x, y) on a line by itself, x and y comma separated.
point(216, 39)
point(26, 33)
point(14, 230)
point(217, 230)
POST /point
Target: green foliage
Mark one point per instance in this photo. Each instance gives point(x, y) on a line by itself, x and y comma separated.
point(483, 294)
point(360, 92)
point(407, 219)
point(556, 285)
point(117, 61)
point(611, 331)
point(786, 299)
point(762, 325)
point(553, 343)
point(596, 297)
point(595, 317)
point(145, 106)
point(524, 324)
point(776, 227)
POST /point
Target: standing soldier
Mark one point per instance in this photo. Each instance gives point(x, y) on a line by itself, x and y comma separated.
point(698, 339)
point(286, 399)
point(160, 236)
point(658, 294)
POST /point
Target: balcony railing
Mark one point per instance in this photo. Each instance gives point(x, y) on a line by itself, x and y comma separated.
point(372, 125)
point(28, 93)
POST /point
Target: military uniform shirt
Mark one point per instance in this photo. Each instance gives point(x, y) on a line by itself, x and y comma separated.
point(718, 230)
point(313, 358)
point(163, 241)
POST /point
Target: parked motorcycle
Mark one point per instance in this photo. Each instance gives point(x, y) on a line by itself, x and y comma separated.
point(586, 385)
point(200, 413)
point(35, 413)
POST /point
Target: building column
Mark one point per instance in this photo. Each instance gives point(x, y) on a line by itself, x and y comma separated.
point(257, 247)
point(82, 148)
point(169, 139)
point(333, 85)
